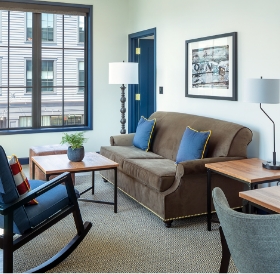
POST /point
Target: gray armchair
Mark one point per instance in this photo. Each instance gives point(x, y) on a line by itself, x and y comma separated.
point(252, 240)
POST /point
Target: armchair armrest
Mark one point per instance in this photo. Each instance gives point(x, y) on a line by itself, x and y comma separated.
point(65, 177)
point(122, 140)
point(198, 166)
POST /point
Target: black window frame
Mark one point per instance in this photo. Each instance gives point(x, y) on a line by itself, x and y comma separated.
point(59, 8)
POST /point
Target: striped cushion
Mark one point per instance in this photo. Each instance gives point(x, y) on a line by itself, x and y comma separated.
point(21, 181)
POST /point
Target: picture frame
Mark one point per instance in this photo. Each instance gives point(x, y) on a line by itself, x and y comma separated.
point(211, 67)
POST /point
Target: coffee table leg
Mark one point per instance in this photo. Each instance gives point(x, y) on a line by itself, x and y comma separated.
point(92, 183)
point(115, 192)
point(209, 199)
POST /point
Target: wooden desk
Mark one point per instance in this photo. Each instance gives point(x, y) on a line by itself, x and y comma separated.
point(268, 197)
point(248, 171)
point(59, 163)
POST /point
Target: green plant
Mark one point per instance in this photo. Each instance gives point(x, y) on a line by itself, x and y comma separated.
point(75, 140)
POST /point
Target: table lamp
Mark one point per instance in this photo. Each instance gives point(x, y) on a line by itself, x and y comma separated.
point(123, 73)
point(264, 91)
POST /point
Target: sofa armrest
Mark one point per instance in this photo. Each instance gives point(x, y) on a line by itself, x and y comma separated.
point(198, 166)
point(122, 140)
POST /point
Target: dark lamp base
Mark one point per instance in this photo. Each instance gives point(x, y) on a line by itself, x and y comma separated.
point(269, 165)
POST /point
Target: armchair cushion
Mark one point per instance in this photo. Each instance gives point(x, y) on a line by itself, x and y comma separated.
point(48, 203)
point(193, 145)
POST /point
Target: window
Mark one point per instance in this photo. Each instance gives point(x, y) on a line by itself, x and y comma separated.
point(81, 75)
point(28, 76)
point(29, 26)
point(81, 29)
point(39, 79)
point(47, 75)
point(47, 27)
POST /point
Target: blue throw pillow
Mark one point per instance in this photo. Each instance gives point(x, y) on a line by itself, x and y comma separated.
point(193, 145)
point(144, 133)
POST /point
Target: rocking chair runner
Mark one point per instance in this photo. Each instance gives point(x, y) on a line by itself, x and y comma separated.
point(55, 202)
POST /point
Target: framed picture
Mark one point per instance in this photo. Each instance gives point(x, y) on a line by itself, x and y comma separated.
point(211, 67)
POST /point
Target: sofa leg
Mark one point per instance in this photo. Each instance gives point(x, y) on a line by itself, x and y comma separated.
point(168, 223)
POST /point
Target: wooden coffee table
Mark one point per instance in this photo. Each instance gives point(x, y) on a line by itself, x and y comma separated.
point(248, 171)
point(59, 163)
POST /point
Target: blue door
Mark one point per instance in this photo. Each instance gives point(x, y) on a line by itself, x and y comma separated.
point(142, 97)
point(146, 79)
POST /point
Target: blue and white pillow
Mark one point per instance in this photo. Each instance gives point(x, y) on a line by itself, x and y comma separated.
point(193, 145)
point(144, 132)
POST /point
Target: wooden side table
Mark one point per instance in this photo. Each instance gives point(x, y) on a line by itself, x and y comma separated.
point(267, 198)
point(248, 171)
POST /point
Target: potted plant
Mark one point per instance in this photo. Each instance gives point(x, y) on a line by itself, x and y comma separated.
point(76, 151)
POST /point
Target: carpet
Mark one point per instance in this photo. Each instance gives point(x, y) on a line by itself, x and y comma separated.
point(133, 240)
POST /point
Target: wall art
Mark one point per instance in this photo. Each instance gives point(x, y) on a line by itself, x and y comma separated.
point(211, 67)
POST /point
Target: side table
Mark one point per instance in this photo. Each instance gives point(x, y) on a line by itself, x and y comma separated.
point(267, 198)
point(248, 171)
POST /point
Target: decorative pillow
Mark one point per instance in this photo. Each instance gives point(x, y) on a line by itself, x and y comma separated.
point(144, 132)
point(21, 181)
point(193, 145)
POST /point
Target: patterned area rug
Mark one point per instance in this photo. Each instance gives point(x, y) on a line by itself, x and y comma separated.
point(133, 240)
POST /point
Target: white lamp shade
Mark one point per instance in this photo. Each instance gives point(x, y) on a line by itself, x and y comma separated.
point(123, 73)
point(262, 91)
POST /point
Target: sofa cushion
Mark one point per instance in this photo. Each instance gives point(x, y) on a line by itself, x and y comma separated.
point(120, 153)
point(158, 174)
point(144, 132)
point(193, 145)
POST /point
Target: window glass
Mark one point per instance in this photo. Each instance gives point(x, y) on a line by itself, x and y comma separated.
point(47, 76)
point(28, 75)
point(29, 26)
point(81, 76)
point(45, 73)
point(81, 29)
point(47, 27)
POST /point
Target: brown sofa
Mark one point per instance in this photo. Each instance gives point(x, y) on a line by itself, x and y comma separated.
point(176, 191)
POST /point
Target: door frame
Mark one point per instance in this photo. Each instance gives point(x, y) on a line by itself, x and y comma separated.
point(132, 44)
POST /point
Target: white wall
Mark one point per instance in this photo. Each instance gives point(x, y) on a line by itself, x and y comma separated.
point(110, 31)
point(257, 24)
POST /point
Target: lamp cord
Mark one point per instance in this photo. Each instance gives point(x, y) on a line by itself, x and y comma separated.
point(274, 153)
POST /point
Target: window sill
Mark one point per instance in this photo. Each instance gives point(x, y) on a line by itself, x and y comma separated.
point(43, 130)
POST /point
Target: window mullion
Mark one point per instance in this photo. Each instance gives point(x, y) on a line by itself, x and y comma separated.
point(36, 70)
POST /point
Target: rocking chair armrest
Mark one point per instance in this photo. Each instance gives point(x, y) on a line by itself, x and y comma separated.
point(64, 177)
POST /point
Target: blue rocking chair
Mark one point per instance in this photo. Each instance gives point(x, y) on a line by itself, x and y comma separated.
point(55, 202)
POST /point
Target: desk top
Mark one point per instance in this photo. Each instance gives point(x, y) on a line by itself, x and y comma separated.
point(248, 170)
point(268, 197)
point(59, 163)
